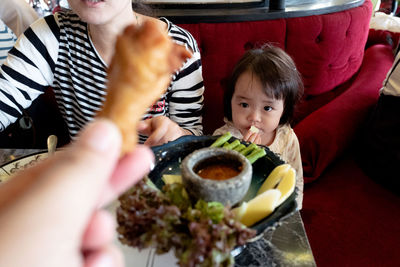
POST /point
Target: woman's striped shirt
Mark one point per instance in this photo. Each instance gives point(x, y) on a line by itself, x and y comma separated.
point(57, 51)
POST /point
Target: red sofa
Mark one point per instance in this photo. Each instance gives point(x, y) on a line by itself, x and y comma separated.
point(350, 220)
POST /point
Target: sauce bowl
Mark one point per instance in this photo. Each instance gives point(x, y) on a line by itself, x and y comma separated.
point(221, 188)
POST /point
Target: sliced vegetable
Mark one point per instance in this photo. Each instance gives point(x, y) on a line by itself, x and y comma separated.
point(233, 144)
point(248, 149)
point(283, 178)
point(252, 152)
point(240, 211)
point(254, 129)
point(172, 178)
point(221, 140)
point(256, 154)
point(151, 184)
point(258, 208)
point(239, 148)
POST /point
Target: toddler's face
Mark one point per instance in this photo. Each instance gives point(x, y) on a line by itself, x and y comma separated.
point(251, 106)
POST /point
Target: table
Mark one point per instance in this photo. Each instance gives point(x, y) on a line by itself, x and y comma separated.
point(286, 245)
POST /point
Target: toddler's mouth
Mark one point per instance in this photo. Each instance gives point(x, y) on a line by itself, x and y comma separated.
point(253, 129)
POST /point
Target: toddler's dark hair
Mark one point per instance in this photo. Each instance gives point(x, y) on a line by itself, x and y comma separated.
point(277, 73)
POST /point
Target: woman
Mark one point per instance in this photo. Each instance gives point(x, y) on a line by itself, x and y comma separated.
point(70, 51)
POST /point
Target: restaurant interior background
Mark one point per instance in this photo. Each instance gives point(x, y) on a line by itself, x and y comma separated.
point(364, 231)
point(25, 134)
point(45, 7)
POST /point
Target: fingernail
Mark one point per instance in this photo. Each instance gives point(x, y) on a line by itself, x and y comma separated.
point(152, 165)
point(104, 260)
point(101, 135)
point(148, 153)
point(152, 160)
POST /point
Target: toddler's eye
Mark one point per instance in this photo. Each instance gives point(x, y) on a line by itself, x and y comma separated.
point(244, 105)
point(267, 108)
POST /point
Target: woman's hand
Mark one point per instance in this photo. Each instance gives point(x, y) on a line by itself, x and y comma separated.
point(161, 130)
point(252, 137)
point(50, 213)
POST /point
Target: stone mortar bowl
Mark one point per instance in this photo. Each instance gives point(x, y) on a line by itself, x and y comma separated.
point(229, 191)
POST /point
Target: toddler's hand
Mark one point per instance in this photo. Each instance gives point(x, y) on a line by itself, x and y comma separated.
point(252, 137)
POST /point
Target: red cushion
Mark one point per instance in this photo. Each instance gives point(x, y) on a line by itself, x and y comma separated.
point(328, 49)
point(350, 220)
point(326, 132)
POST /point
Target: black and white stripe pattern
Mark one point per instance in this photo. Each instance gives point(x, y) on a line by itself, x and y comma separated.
point(57, 51)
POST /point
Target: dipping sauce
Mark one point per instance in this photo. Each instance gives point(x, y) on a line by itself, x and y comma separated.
point(218, 171)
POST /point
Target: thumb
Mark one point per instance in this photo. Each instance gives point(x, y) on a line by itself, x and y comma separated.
point(83, 170)
point(59, 194)
point(90, 172)
point(73, 179)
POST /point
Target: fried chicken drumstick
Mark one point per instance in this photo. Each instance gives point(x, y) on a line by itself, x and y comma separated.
point(145, 58)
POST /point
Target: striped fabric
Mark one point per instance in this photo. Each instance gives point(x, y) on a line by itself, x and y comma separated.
point(7, 41)
point(57, 51)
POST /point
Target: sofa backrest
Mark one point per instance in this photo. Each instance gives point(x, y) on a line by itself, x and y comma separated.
point(328, 50)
